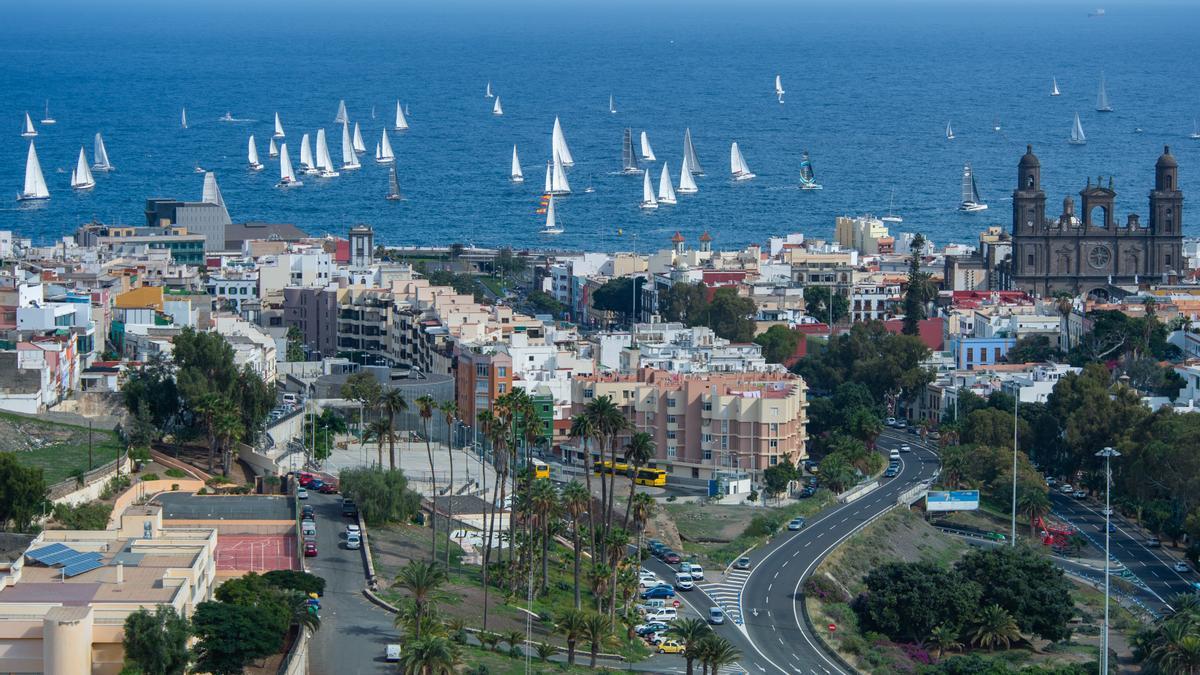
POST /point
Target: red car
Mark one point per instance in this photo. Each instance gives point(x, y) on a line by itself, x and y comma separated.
point(328, 488)
point(304, 478)
point(310, 549)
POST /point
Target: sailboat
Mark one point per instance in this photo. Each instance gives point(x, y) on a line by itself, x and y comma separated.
point(324, 161)
point(549, 179)
point(891, 216)
point(647, 152)
point(372, 112)
point(227, 117)
point(558, 178)
point(183, 118)
point(28, 131)
point(287, 178)
point(612, 106)
point(995, 124)
point(401, 122)
point(307, 165)
point(666, 191)
point(808, 178)
point(1054, 87)
point(35, 183)
point(737, 163)
point(383, 151)
point(971, 200)
point(496, 109)
point(687, 184)
point(81, 175)
point(648, 200)
point(629, 165)
point(341, 117)
point(278, 127)
point(252, 156)
point(1102, 104)
point(489, 93)
point(100, 154)
point(558, 145)
point(949, 132)
point(1077, 136)
point(359, 146)
point(349, 159)
point(551, 226)
point(1195, 130)
point(393, 194)
point(514, 174)
point(272, 149)
point(779, 88)
point(48, 119)
point(689, 154)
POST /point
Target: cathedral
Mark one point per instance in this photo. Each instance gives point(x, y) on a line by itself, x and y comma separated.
point(1087, 250)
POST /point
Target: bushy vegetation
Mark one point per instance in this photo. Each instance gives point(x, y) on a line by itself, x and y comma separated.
point(86, 516)
point(382, 495)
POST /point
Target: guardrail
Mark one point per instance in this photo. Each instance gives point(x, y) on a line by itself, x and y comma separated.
point(912, 495)
point(857, 491)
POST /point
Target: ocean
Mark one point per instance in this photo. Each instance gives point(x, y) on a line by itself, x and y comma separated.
point(870, 89)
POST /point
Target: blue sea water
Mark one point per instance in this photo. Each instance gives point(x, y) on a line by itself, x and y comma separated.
point(870, 88)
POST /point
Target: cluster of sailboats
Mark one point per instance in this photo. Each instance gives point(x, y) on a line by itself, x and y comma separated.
point(82, 176)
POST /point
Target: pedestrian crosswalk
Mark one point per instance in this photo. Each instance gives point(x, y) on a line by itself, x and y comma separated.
point(727, 593)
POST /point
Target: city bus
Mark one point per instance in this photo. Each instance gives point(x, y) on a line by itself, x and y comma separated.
point(539, 469)
point(606, 466)
point(653, 477)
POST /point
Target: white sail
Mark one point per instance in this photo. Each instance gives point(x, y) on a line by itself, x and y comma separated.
point(515, 174)
point(212, 192)
point(100, 154)
point(35, 183)
point(252, 155)
point(401, 122)
point(647, 152)
point(488, 93)
point(359, 146)
point(183, 118)
point(341, 117)
point(1102, 104)
point(272, 149)
point(549, 179)
point(666, 191)
point(551, 226)
point(81, 175)
point(949, 132)
point(384, 152)
point(558, 178)
point(1195, 135)
point(393, 186)
point(349, 159)
point(689, 154)
point(28, 131)
point(48, 119)
point(278, 127)
point(778, 86)
point(307, 165)
point(1053, 87)
point(687, 184)
point(287, 177)
point(1077, 135)
point(629, 165)
point(558, 145)
point(496, 109)
point(612, 106)
point(737, 164)
point(324, 161)
point(648, 200)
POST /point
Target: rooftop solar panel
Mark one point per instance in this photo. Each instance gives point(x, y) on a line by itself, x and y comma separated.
point(81, 567)
point(41, 553)
point(59, 557)
point(78, 558)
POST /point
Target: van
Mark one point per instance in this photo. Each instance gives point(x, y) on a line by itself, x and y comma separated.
point(683, 581)
point(665, 614)
point(392, 653)
point(693, 569)
point(651, 606)
point(289, 398)
point(308, 529)
point(894, 454)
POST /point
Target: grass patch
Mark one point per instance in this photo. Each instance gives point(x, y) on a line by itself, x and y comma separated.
point(500, 663)
point(59, 450)
point(493, 284)
point(716, 534)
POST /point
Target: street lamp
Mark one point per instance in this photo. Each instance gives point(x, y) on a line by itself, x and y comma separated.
point(1016, 419)
point(1107, 454)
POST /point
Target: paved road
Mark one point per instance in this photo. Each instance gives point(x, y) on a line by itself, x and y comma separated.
point(354, 631)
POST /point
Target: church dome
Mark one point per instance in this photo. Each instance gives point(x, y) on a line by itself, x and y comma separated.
point(1166, 160)
point(1029, 159)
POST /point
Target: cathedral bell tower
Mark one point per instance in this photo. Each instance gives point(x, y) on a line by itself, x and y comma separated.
point(1029, 217)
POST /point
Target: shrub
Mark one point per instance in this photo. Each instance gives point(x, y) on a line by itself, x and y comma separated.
point(216, 481)
point(149, 476)
point(823, 588)
point(174, 487)
point(176, 473)
point(202, 491)
point(115, 486)
point(86, 516)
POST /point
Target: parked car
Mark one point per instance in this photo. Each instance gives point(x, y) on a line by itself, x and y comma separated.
point(301, 493)
point(807, 492)
point(671, 647)
point(330, 487)
point(661, 591)
point(354, 541)
point(307, 512)
point(1079, 494)
point(647, 606)
point(795, 524)
point(304, 478)
point(646, 583)
point(671, 558)
point(716, 616)
point(349, 508)
point(392, 653)
point(353, 529)
point(902, 423)
point(666, 614)
point(1154, 542)
point(645, 629)
point(891, 421)
point(315, 484)
point(1051, 480)
point(934, 436)
point(310, 549)
point(742, 563)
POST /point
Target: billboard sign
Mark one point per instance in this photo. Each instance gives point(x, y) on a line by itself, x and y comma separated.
point(953, 500)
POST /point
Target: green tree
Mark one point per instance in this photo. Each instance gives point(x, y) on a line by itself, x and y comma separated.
point(778, 343)
point(836, 472)
point(575, 501)
point(292, 580)
point(157, 642)
point(230, 637)
point(616, 296)
point(295, 344)
point(683, 302)
point(153, 385)
point(598, 631)
point(871, 356)
point(363, 387)
point(431, 656)
point(1172, 644)
point(573, 626)
point(638, 453)
point(392, 402)
point(544, 302)
point(381, 432)
point(989, 426)
point(1033, 349)
point(943, 639)
point(905, 601)
point(776, 478)
point(1026, 585)
point(918, 291)
point(730, 315)
point(817, 304)
point(994, 627)
point(449, 410)
point(22, 491)
point(425, 406)
point(422, 583)
point(715, 653)
point(382, 496)
point(690, 631)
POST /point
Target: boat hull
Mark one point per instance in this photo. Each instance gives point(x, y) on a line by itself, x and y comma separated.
point(743, 176)
point(328, 174)
point(1070, 142)
point(668, 202)
point(649, 206)
point(102, 167)
point(385, 160)
point(284, 185)
point(31, 198)
point(256, 167)
point(517, 179)
point(972, 208)
point(812, 187)
point(85, 186)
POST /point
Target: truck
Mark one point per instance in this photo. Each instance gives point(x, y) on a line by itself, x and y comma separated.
point(349, 508)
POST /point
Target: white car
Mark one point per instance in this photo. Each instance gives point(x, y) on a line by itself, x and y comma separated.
point(646, 583)
point(353, 529)
point(664, 614)
point(891, 421)
point(697, 572)
point(1107, 511)
point(905, 448)
point(353, 541)
point(1066, 488)
point(683, 581)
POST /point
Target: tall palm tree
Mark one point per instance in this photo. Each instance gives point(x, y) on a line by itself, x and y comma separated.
point(206, 408)
point(638, 453)
point(573, 627)
point(994, 627)
point(715, 652)
point(616, 543)
point(449, 411)
point(422, 581)
point(944, 639)
point(643, 509)
point(1174, 648)
point(227, 429)
point(425, 406)
point(381, 432)
point(392, 403)
point(1036, 504)
point(598, 631)
point(488, 424)
point(575, 500)
point(608, 422)
point(583, 431)
point(690, 631)
point(431, 656)
point(544, 501)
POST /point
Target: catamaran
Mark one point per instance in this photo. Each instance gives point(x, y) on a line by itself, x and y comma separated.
point(666, 191)
point(971, 200)
point(808, 178)
point(629, 165)
point(359, 146)
point(514, 174)
point(324, 161)
point(349, 159)
point(779, 88)
point(551, 226)
point(287, 178)
point(647, 152)
point(48, 119)
point(689, 154)
point(227, 117)
point(1077, 136)
point(1054, 87)
point(489, 93)
point(401, 122)
point(35, 183)
point(28, 131)
point(81, 175)
point(558, 145)
point(272, 149)
point(278, 127)
point(383, 150)
point(558, 178)
point(687, 184)
point(341, 117)
point(306, 156)
point(393, 194)
point(737, 163)
point(1102, 104)
point(648, 200)
point(100, 154)
point(183, 118)
point(612, 106)
point(496, 109)
point(891, 216)
point(949, 132)
point(252, 156)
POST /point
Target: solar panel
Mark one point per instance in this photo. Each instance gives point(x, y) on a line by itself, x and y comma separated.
point(67, 561)
point(40, 554)
point(81, 567)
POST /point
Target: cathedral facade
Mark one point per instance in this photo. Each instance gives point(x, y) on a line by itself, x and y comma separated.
point(1087, 250)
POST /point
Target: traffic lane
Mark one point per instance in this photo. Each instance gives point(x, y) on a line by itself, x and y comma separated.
point(354, 633)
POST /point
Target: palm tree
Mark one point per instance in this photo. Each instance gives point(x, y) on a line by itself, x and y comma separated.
point(431, 656)
point(488, 425)
point(608, 421)
point(643, 509)
point(392, 403)
point(616, 542)
point(1036, 503)
point(597, 630)
point(422, 581)
point(956, 463)
point(380, 431)
point(207, 407)
point(690, 631)
point(450, 413)
point(1172, 647)
point(514, 638)
point(715, 652)
point(638, 453)
point(573, 627)
point(994, 627)
point(543, 500)
point(575, 499)
point(944, 639)
point(582, 429)
point(227, 429)
point(425, 406)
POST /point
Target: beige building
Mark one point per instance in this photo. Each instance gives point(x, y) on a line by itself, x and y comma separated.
point(862, 233)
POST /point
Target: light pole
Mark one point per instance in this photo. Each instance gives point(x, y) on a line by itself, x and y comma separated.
point(1107, 454)
point(1016, 405)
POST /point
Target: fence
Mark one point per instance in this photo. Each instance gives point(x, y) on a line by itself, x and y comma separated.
point(65, 490)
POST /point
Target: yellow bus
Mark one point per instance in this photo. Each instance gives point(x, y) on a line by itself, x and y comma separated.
point(606, 466)
point(539, 468)
point(653, 477)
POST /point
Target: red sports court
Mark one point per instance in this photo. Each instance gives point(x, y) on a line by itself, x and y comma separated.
point(256, 553)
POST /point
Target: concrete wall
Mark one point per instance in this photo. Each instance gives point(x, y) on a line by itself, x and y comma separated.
point(69, 491)
point(297, 658)
point(143, 489)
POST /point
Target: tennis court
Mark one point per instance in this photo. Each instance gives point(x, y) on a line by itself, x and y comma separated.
point(256, 553)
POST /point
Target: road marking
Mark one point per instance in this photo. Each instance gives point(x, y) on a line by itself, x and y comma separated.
point(769, 587)
point(776, 575)
point(806, 545)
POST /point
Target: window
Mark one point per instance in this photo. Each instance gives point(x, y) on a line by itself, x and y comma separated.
point(773, 428)
point(774, 444)
point(502, 371)
point(672, 452)
point(708, 438)
point(588, 393)
point(724, 426)
point(708, 455)
point(774, 459)
point(670, 402)
point(708, 406)
point(996, 355)
point(481, 370)
point(671, 434)
point(1030, 260)
point(1168, 261)
point(671, 419)
point(970, 355)
point(724, 442)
